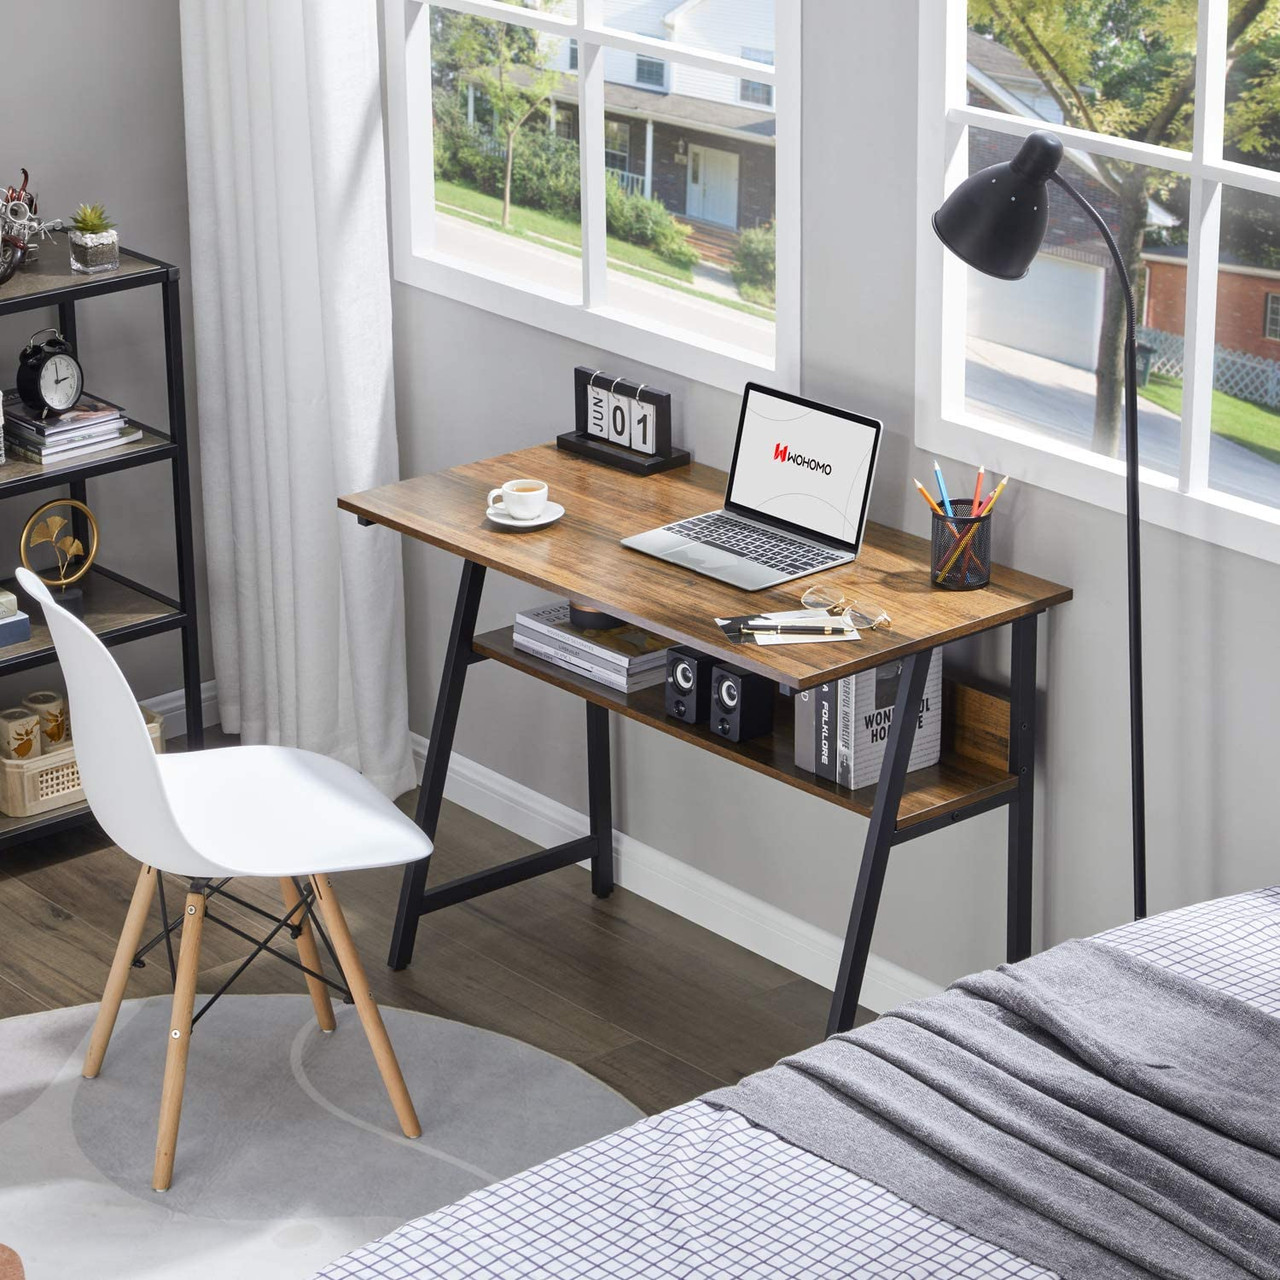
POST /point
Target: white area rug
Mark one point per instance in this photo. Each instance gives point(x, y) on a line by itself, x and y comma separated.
point(288, 1155)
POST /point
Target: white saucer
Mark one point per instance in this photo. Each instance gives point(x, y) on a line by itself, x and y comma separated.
point(550, 514)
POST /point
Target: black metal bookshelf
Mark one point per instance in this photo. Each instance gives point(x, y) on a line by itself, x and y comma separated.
point(117, 608)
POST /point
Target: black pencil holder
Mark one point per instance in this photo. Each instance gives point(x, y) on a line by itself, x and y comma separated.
point(961, 548)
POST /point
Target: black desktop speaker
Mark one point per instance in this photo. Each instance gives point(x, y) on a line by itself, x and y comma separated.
point(688, 684)
point(741, 703)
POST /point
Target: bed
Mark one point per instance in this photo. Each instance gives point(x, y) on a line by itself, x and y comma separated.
point(701, 1191)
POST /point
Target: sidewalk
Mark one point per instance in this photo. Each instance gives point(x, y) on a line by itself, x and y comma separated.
point(553, 270)
point(1015, 387)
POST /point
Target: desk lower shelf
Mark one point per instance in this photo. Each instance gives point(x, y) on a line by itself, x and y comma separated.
point(955, 782)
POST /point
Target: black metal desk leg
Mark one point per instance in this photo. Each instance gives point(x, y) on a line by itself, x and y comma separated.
point(601, 799)
point(1022, 763)
point(875, 853)
point(431, 793)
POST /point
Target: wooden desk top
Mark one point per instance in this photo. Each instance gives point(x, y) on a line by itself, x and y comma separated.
point(580, 556)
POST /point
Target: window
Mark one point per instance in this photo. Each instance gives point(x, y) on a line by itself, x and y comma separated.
point(528, 177)
point(1171, 135)
point(617, 144)
point(753, 91)
point(651, 71)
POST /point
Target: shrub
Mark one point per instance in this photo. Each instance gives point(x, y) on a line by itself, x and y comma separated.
point(754, 263)
point(545, 172)
point(632, 217)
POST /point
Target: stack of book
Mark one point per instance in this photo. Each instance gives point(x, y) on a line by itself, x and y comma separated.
point(92, 425)
point(623, 658)
point(842, 727)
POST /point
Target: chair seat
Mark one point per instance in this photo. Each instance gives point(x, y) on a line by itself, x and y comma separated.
point(279, 811)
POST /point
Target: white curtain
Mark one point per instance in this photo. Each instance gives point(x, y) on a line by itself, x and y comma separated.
point(292, 291)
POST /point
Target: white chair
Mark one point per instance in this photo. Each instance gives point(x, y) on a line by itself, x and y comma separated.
point(212, 815)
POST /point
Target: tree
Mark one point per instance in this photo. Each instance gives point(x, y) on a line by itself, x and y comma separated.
point(508, 65)
point(1126, 68)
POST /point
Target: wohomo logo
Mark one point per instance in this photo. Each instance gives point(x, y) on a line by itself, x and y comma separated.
point(781, 453)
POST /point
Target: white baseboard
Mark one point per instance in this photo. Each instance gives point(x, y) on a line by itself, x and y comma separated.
point(173, 706)
point(750, 922)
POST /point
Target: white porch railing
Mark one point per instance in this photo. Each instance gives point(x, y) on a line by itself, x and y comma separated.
point(631, 183)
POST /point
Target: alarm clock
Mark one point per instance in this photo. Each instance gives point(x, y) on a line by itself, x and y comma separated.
point(50, 379)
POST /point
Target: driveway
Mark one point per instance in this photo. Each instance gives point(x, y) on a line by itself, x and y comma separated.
point(1015, 387)
point(641, 300)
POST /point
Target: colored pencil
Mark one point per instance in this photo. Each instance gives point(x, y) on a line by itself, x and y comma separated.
point(977, 492)
point(942, 489)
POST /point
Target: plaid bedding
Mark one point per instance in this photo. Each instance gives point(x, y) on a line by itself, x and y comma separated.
point(699, 1192)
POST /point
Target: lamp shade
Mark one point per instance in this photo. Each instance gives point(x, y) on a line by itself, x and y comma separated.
point(996, 219)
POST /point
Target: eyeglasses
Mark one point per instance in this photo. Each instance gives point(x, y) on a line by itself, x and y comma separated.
point(833, 601)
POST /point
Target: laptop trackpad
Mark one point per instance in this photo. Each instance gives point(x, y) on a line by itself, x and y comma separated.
point(694, 555)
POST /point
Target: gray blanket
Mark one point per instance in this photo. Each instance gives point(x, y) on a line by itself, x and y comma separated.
point(1096, 1114)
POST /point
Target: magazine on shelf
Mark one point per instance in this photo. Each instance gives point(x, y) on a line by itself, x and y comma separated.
point(24, 452)
point(88, 411)
point(25, 436)
point(607, 676)
point(633, 647)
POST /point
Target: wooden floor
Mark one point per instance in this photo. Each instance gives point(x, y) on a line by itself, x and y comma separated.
point(657, 1007)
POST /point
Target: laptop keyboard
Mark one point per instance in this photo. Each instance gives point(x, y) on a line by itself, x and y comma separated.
point(762, 546)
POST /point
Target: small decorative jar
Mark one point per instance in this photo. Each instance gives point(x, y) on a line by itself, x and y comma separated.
point(51, 710)
point(94, 251)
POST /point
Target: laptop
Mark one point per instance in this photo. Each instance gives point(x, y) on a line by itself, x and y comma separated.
point(797, 497)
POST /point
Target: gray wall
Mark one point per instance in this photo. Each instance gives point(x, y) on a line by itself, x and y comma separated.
point(93, 108)
point(471, 384)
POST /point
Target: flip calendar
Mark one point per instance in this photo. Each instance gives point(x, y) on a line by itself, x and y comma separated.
point(622, 422)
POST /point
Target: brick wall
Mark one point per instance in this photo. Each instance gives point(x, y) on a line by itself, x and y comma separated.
point(1242, 301)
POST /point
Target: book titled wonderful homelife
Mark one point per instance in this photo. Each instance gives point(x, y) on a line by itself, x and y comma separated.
point(842, 727)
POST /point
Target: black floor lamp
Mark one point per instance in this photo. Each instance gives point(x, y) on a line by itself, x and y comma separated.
point(995, 221)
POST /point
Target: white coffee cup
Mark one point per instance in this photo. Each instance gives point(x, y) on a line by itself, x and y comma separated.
point(519, 499)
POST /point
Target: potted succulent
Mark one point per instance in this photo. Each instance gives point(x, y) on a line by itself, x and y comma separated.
point(95, 243)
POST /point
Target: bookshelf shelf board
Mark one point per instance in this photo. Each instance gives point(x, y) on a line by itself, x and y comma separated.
point(17, 476)
point(49, 280)
point(115, 609)
point(15, 830)
point(932, 793)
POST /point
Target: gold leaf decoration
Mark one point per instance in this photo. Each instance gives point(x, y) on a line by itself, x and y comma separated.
point(55, 523)
point(41, 534)
point(70, 546)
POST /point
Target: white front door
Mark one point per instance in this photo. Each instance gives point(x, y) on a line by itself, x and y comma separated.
point(713, 186)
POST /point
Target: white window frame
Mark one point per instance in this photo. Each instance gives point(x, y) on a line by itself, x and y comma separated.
point(1271, 318)
point(943, 425)
point(588, 319)
point(764, 56)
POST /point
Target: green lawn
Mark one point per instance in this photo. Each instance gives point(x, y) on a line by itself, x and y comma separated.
point(548, 226)
point(1249, 424)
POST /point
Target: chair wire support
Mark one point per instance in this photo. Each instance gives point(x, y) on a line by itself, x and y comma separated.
point(210, 889)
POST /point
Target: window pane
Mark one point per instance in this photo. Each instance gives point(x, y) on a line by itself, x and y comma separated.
point(1244, 457)
point(1124, 68)
point(1252, 124)
point(690, 216)
point(1036, 354)
point(496, 89)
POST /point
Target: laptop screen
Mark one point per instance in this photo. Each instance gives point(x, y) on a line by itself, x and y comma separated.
point(802, 465)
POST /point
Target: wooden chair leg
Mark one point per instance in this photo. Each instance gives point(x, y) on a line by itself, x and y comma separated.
point(309, 954)
point(175, 1063)
point(126, 948)
point(353, 971)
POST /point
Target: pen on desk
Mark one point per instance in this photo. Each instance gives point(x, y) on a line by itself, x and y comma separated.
point(796, 628)
point(942, 489)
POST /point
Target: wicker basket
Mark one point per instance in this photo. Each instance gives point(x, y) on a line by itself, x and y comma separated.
point(29, 787)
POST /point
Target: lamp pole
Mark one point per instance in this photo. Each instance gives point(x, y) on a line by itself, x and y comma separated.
point(1134, 547)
